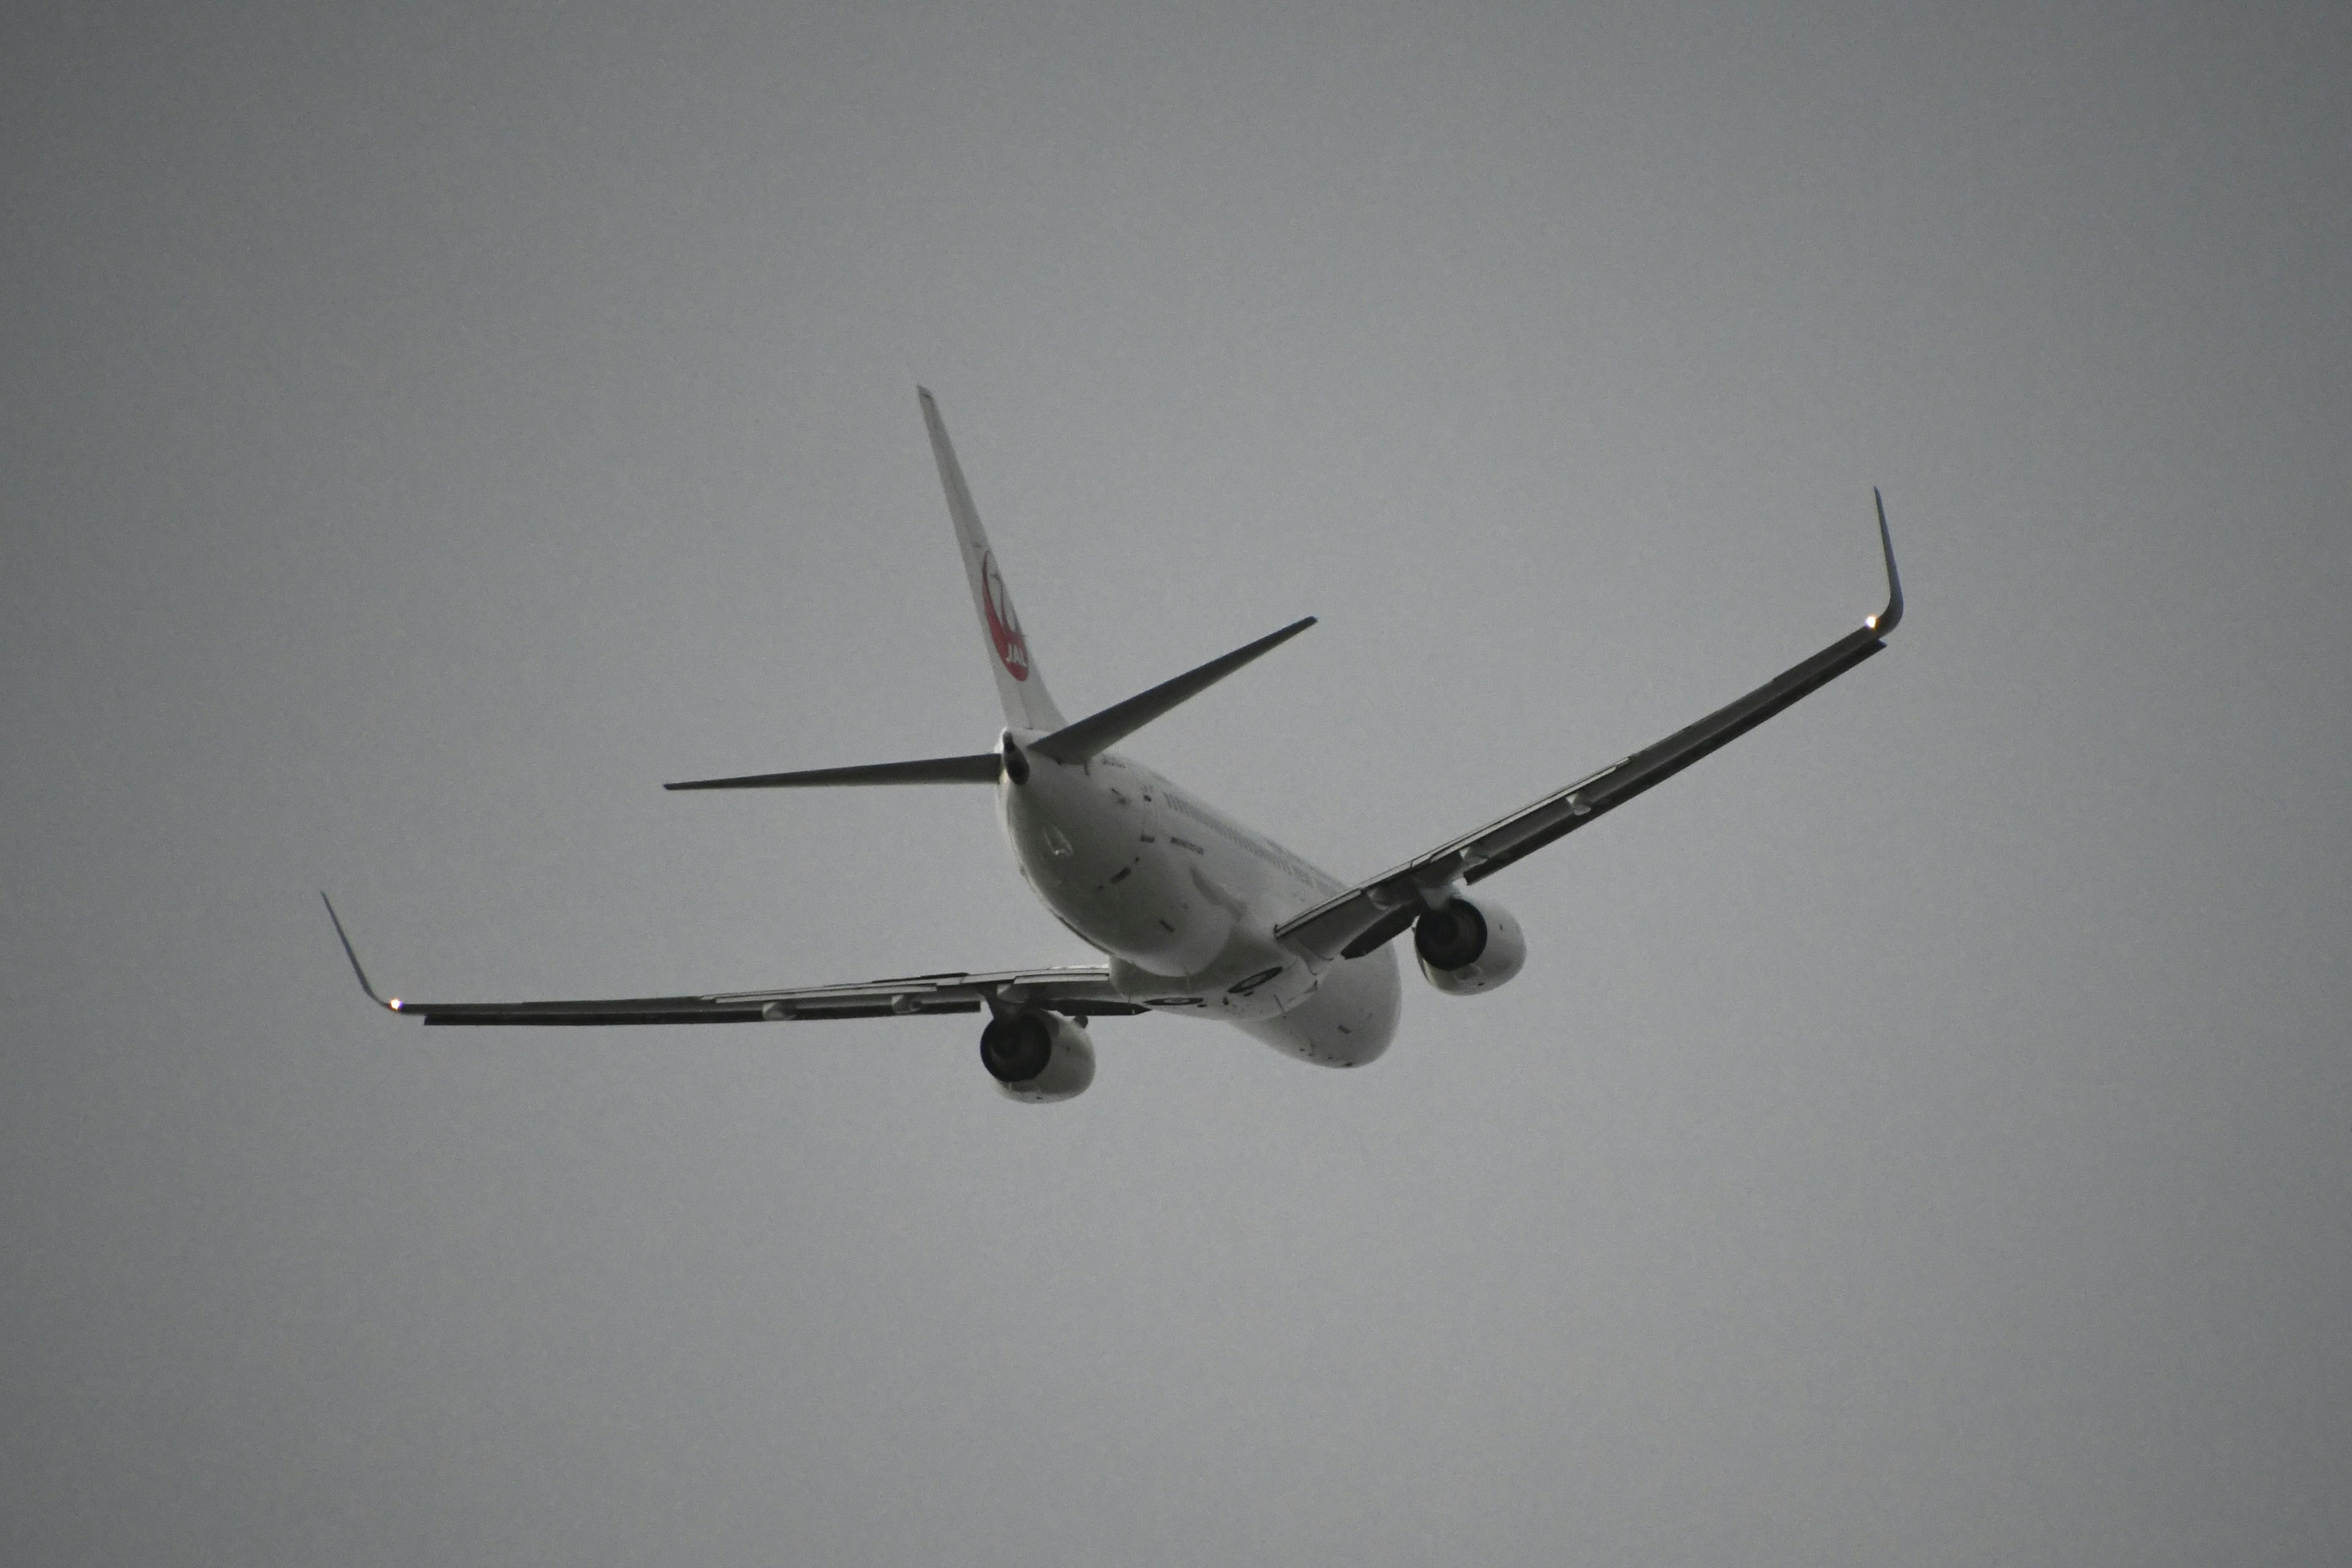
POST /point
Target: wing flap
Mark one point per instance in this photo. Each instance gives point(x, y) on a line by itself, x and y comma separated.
point(554, 1013)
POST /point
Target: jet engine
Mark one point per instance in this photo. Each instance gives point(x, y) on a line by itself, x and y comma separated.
point(1038, 1058)
point(1467, 947)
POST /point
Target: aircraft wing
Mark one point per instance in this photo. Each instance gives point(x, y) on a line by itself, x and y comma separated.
point(1359, 920)
point(1079, 992)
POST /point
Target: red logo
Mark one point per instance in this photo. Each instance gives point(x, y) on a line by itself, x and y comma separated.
point(1003, 626)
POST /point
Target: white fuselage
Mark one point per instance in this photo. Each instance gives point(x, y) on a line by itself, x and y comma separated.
point(1183, 901)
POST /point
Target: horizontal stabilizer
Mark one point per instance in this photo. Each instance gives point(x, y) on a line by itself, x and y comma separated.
point(1088, 737)
point(980, 768)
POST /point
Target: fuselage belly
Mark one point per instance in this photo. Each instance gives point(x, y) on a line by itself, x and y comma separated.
point(1184, 902)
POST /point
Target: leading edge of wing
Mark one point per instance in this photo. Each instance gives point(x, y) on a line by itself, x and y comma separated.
point(1080, 991)
point(1354, 922)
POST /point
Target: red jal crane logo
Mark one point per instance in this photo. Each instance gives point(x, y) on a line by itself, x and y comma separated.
point(1003, 626)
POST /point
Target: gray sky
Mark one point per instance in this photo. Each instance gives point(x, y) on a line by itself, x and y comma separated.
point(1920, 1134)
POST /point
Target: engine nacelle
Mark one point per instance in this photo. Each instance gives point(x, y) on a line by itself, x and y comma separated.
point(1467, 946)
point(1037, 1057)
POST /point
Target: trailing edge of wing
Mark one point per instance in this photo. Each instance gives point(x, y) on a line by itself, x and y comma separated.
point(1077, 743)
point(1078, 991)
point(1361, 919)
point(980, 768)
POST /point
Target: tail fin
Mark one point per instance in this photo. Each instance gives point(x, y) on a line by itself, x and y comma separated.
point(1019, 685)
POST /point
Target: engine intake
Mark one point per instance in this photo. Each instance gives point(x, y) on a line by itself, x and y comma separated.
point(1037, 1058)
point(1467, 946)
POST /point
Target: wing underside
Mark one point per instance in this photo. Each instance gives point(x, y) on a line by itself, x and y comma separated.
point(1359, 920)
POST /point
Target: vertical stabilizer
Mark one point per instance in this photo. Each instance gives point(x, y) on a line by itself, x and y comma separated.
point(1019, 683)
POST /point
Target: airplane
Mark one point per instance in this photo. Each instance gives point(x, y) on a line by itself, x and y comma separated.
point(1195, 914)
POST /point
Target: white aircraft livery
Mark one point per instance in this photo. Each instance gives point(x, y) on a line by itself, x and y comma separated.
point(1194, 914)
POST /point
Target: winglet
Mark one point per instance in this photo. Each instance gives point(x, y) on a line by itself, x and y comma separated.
point(391, 1006)
point(1887, 619)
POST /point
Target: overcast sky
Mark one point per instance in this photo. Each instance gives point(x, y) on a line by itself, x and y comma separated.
point(1923, 1132)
